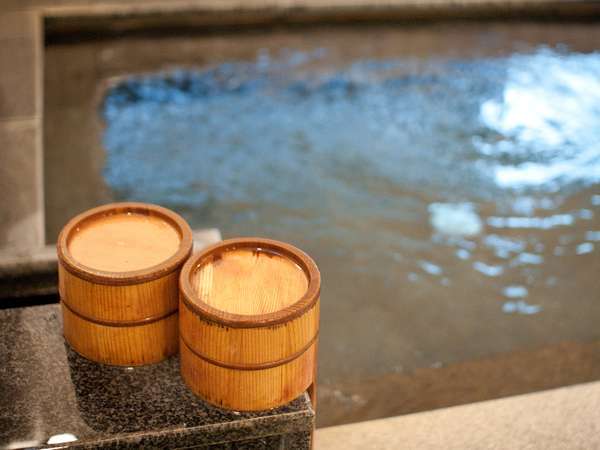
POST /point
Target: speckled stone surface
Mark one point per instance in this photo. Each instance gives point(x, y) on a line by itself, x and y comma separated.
point(46, 389)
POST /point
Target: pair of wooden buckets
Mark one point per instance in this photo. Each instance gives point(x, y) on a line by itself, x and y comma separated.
point(244, 313)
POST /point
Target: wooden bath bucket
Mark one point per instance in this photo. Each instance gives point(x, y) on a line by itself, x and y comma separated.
point(118, 282)
point(249, 323)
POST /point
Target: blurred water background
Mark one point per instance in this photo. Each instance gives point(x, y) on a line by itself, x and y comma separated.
point(452, 202)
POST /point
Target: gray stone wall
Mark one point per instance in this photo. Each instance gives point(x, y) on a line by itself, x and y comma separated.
point(21, 168)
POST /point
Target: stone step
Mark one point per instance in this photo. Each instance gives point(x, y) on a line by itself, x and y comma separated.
point(564, 418)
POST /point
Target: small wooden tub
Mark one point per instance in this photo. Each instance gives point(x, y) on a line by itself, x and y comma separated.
point(118, 281)
point(249, 323)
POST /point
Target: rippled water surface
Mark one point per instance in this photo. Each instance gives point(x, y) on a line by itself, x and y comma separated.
point(453, 205)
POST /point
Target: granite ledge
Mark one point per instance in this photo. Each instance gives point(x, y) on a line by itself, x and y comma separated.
point(48, 390)
point(245, 431)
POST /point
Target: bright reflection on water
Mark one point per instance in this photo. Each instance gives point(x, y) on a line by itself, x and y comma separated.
point(407, 179)
point(545, 114)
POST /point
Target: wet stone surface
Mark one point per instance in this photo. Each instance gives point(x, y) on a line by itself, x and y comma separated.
point(51, 394)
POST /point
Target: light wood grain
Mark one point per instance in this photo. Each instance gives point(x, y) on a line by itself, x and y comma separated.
point(108, 324)
point(249, 281)
point(249, 323)
point(122, 317)
point(133, 345)
point(248, 390)
point(248, 346)
point(120, 303)
point(124, 242)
